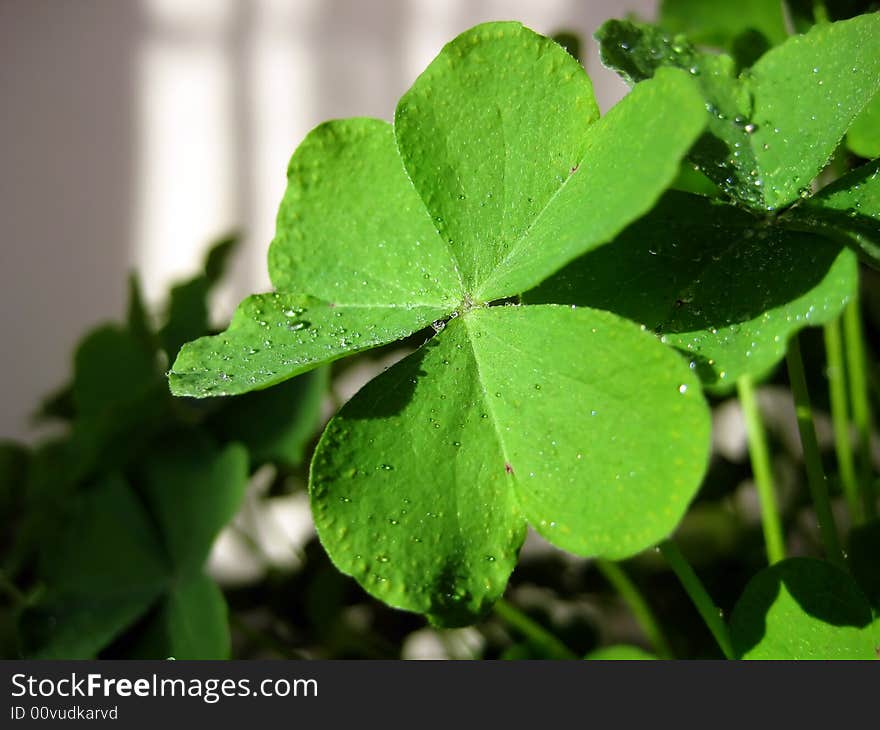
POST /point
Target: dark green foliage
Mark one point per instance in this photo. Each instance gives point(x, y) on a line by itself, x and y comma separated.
point(111, 524)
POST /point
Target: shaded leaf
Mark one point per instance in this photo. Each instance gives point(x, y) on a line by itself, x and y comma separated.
point(773, 128)
point(14, 461)
point(571, 42)
point(803, 12)
point(275, 424)
point(190, 622)
point(193, 489)
point(119, 398)
point(188, 316)
point(57, 405)
point(98, 386)
point(748, 47)
point(218, 257)
point(863, 137)
point(848, 210)
point(691, 180)
point(720, 24)
point(721, 285)
point(196, 616)
point(138, 318)
point(803, 608)
point(863, 551)
point(637, 51)
point(103, 570)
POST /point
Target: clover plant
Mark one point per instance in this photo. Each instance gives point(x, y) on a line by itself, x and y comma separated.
point(114, 518)
point(728, 281)
point(496, 172)
point(573, 307)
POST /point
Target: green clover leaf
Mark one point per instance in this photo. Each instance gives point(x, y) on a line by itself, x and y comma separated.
point(803, 608)
point(722, 285)
point(124, 556)
point(724, 25)
point(847, 210)
point(120, 513)
point(496, 173)
point(775, 125)
point(728, 283)
point(863, 137)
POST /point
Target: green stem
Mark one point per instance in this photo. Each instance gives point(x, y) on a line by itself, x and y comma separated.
point(859, 400)
point(633, 598)
point(699, 597)
point(840, 419)
point(762, 470)
point(533, 631)
point(812, 457)
point(820, 12)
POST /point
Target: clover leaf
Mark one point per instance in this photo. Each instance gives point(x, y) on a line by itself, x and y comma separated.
point(496, 172)
point(775, 125)
point(104, 570)
point(802, 608)
point(724, 25)
point(123, 557)
point(863, 137)
point(722, 285)
point(728, 283)
point(848, 210)
point(187, 315)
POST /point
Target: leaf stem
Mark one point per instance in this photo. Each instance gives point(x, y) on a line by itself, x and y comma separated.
point(840, 419)
point(533, 631)
point(762, 470)
point(812, 457)
point(633, 598)
point(858, 394)
point(692, 585)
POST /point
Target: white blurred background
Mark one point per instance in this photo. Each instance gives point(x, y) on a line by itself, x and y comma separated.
point(133, 132)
